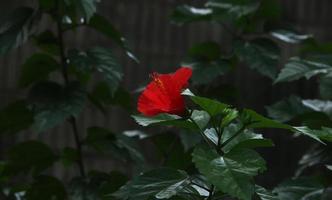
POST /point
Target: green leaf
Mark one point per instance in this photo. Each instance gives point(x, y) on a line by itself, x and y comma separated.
point(231, 173)
point(319, 106)
point(262, 55)
point(289, 36)
point(324, 134)
point(232, 10)
point(259, 121)
point(53, 104)
point(121, 146)
point(325, 87)
point(230, 115)
point(287, 109)
point(46, 187)
point(29, 156)
point(69, 156)
point(101, 24)
point(15, 117)
point(97, 185)
point(247, 139)
point(201, 118)
point(329, 167)
point(265, 194)
point(47, 42)
point(103, 61)
point(164, 119)
point(297, 68)
point(102, 95)
point(81, 9)
point(189, 139)
point(204, 71)
point(299, 189)
point(16, 28)
point(213, 107)
point(37, 68)
point(159, 183)
point(186, 14)
point(205, 51)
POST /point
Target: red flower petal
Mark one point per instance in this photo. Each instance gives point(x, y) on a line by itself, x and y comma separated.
point(163, 93)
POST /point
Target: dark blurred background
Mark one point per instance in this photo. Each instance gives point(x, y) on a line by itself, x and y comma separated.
point(161, 46)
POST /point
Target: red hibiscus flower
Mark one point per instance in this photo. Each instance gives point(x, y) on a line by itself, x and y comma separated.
point(163, 93)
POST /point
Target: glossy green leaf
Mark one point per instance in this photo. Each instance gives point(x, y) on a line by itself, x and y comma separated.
point(185, 14)
point(16, 28)
point(15, 117)
point(247, 139)
point(319, 106)
point(231, 173)
point(299, 189)
point(262, 55)
point(230, 115)
point(53, 104)
point(265, 194)
point(211, 106)
point(297, 68)
point(289, 36)
point(232, 9)
point(324, 134)
point(29, 156)
point(79, 9)
point(46, 187)
point(164, 119)
point(37, 68)
point(101, 24)
point(159, 183)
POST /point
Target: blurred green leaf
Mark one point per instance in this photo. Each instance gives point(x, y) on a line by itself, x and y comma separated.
point(79, 9)
point(205, 51)
point(37, 68)
point(287, 109)
point(16, 28)
point(102, 95)
point(159, 183)
point(289, 36)
point(205, 72)
point(46, 187)
point(231, 173)
point(69, 156)
point(299, 189)
point(265, 194)
point(186, 14)
point(262, 55)
point(15, 117)
point(189, 139)
point(232, 10)
point(53, 104)
point(297, 68)
point(47, 42)
point(101, 60)
point(121, 146)
point(29, 156)
point(101, 24)
point(325, 87)
point(329, 167)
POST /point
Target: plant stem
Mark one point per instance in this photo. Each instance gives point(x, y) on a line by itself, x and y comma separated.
point(64, 65)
